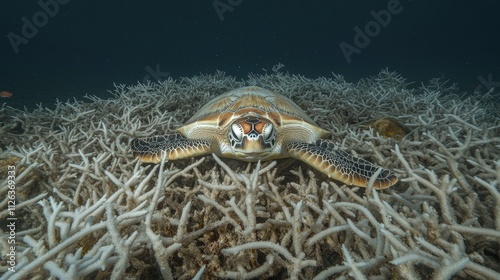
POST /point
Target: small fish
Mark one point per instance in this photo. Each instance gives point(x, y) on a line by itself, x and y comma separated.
point(5, 94)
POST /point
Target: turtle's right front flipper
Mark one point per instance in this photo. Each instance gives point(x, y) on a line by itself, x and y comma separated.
point(175, 146)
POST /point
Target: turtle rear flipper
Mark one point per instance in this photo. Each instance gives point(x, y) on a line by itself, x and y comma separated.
point(175, 146)
point(326, 157)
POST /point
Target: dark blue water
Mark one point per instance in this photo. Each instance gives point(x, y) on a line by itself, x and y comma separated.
point(63, 49)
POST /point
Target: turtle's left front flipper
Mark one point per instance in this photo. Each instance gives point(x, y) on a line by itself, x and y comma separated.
point(174, 146)
point(326, 157)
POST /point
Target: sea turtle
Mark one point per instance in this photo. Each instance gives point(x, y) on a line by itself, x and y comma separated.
point(253, 123)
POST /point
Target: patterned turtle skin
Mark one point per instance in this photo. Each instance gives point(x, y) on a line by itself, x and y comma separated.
point(253, 123)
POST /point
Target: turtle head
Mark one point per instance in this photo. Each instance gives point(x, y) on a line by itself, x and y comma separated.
point(252, 137)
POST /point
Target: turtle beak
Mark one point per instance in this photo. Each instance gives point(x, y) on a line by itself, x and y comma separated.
point(251, 149)
point(254, 145)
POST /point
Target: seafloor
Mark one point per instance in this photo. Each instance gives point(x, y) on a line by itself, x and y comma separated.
point(86, 209)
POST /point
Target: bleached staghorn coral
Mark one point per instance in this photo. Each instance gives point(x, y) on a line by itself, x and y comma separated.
point(89, 209)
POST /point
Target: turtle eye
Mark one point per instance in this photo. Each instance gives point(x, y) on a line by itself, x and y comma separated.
point(236, 134)
point(269, 133)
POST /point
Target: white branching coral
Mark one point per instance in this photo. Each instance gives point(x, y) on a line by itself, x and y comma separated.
point(86, 208)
